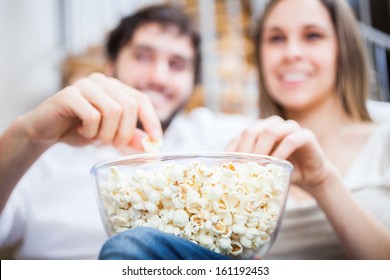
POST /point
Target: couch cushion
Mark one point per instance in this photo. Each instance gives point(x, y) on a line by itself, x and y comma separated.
point(379, 110)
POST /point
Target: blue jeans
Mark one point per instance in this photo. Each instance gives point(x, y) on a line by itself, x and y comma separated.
point(145, 243)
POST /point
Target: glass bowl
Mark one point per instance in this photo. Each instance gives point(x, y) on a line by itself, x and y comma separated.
point(231, 203)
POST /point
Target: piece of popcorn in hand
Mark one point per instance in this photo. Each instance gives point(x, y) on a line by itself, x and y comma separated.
point(151, 146)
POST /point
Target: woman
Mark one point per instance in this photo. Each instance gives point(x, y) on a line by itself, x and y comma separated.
point(314, 77)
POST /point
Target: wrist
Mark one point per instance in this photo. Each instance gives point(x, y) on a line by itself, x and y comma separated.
point(28, 137)
point(331, 182)
point(18, 152)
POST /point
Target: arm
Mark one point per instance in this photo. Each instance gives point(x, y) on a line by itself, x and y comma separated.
point(18, 153)
point(96, 108)
point(360, 233)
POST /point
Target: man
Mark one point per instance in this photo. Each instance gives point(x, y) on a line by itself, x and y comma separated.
point(52, 213)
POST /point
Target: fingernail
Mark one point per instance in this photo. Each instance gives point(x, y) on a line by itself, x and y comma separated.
point(157, 134)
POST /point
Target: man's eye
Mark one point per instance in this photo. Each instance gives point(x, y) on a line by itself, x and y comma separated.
point(143, 57)
point(178, 65)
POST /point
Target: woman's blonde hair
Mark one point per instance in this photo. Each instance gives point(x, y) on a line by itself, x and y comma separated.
point(352, 84)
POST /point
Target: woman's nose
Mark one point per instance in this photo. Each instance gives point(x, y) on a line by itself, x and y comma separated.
point(293, 49)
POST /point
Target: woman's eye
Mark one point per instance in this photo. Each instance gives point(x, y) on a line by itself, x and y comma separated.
point(312, 36)
point(275, 39)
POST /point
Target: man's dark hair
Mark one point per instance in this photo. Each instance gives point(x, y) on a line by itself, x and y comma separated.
point(162, 14)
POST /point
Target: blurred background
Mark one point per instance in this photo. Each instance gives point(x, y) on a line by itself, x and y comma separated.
point(46, 44)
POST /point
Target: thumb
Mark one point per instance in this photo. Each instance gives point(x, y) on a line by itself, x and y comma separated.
point(295, 177)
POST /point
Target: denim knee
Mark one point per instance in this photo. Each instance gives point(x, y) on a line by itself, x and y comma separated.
point(143, 243)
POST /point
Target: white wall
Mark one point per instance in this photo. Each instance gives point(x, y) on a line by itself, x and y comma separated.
point(29, 51)
point(35, 35)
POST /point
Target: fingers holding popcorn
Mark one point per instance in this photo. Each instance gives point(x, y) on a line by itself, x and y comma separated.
point(273, 135)
point(146, 112)
point(127, 107)
point(287, 140)
point(246, 142)
point(95, 108)
point(109, 108)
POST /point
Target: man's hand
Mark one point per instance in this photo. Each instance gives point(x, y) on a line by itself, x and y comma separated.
point(96, 108)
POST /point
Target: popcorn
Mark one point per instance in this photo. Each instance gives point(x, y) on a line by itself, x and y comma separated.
point(151, 146)
point(239, 229)
point(206, 240)
point(225, 244)
point(230, 208)
point(180, 218)
point(237, 248)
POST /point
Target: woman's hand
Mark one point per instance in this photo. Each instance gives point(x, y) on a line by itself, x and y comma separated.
point(96, 108)
point(288, 140)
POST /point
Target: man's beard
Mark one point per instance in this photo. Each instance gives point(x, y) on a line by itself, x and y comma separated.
point(168, 121)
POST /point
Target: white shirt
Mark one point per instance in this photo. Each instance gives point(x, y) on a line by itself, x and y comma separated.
point(306, 233)
point(53, 211)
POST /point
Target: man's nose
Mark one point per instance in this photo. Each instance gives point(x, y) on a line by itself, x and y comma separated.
point(160, 72)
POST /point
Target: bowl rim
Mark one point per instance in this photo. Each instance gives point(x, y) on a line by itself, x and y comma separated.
point(181, 155)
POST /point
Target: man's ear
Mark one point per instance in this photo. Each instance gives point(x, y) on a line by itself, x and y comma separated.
point(109, 69)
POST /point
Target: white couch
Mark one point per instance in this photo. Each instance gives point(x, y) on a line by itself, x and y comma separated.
point(379, 111)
